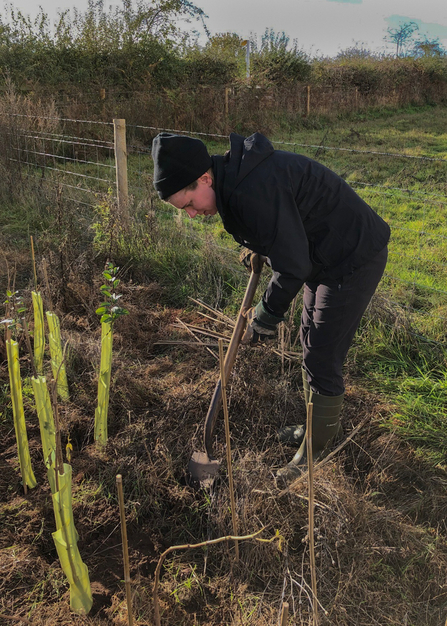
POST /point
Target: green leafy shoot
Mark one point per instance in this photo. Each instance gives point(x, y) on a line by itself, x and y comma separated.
point(15, 312)
point(110, 310)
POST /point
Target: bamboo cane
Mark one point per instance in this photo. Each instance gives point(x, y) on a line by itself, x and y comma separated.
point(227, 439)
point(310, 466)
point(47, 283)
point(284, 614)
point(119, 485)
point(34, 263)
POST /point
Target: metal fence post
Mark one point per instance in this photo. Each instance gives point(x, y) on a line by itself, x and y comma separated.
point(119, 133)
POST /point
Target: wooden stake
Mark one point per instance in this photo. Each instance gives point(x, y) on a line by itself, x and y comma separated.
point(310, 467)
point(28, 345)
point(47, 283)
point(119, 127)
point(59, 465)
point(284, 614)
point(227, 439)
point(119, 485)
point(308, 101)
point(281, 330)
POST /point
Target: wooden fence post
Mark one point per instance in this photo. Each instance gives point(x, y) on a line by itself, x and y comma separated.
point(119, 132)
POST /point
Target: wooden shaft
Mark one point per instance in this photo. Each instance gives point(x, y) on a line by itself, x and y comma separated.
point(119, 128)
point(310, 467)
point(284, 614)
point(238, 331)
point(119, 485)
point(227, 439)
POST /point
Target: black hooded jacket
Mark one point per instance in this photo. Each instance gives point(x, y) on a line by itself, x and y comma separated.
point(304, 217)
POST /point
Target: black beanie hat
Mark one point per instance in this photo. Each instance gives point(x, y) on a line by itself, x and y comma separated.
point(178, 161)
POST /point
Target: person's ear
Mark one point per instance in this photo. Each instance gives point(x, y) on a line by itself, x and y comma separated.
point(206, 179)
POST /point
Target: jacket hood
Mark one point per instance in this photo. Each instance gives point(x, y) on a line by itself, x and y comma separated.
point(245, 154)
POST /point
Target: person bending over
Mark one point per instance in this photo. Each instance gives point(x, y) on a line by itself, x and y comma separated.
point(314, 229)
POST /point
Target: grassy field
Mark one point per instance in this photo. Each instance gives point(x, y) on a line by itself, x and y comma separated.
point(381, 534)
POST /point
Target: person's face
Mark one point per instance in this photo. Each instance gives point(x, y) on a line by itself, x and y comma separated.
point(198, 201)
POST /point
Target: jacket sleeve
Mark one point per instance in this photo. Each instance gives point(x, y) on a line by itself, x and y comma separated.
point(290, 258)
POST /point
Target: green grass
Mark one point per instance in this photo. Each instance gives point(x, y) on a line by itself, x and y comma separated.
point(198, 258)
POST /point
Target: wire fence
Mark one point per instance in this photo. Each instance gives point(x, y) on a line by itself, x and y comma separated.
point(78, 159)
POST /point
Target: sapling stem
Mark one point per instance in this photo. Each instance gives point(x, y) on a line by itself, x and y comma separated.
point(119, 485)
point(109, 311)
point(228, 444)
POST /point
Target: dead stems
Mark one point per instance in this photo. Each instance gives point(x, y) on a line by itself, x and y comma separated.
point(189, 546)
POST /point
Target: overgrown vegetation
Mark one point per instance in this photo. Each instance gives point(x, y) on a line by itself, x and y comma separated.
point(132, 52)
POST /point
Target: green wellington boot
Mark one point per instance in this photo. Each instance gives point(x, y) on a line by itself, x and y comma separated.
point(294, 435)
point(325, 428)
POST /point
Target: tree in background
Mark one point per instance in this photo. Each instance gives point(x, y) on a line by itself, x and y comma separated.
point(274, 60)
point(226, 46)
point(402, 36)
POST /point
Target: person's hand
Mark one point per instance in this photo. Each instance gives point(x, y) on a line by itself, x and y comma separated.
point(245, 258)
point(252, 261)
point(256, 331)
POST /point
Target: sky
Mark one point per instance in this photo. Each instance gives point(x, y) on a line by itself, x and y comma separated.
point(321, 27)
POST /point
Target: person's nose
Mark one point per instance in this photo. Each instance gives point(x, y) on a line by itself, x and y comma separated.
point(191, 212)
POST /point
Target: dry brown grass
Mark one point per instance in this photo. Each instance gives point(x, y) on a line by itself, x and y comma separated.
point(381, 550)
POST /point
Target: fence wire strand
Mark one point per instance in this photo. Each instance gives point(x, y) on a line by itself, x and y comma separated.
point(41, 150)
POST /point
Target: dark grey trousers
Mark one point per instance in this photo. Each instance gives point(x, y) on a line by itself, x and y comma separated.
point(332, 310)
